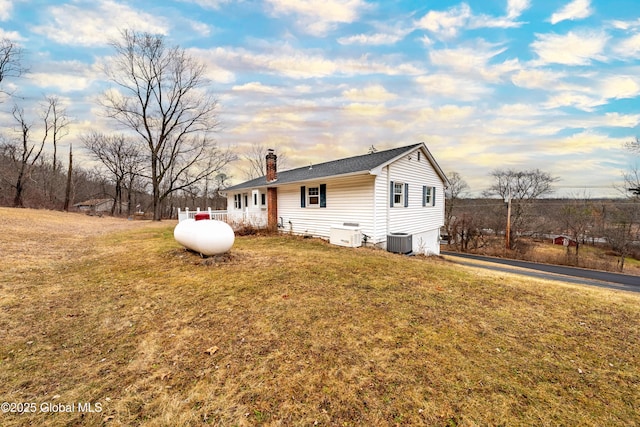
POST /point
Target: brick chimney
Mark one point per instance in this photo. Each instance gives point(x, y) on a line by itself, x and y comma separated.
point(272, 166)
point(272, 192)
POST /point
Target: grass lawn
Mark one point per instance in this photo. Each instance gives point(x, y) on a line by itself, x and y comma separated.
point(291, 331)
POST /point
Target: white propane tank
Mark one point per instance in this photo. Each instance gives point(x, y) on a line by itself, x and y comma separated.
point(207, 237)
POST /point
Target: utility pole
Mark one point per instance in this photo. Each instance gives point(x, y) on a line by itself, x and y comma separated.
point(508, 230)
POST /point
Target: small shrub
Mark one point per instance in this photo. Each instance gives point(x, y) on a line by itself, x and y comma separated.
point(246, 230)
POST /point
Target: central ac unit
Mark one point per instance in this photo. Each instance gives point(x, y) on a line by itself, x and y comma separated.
point(399, 243)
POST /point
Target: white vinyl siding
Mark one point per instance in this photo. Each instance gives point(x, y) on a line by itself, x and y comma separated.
point(348, 199)
point(415, 219)
point(248, 207)
point(366, 200)
point(381, 207)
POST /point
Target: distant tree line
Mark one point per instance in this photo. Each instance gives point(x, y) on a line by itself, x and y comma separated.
point(476, 224)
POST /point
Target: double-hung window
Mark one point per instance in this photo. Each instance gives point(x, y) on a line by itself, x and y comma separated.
point(313, 196)
point(399, 194)
point(237, 201)
point(428, 196)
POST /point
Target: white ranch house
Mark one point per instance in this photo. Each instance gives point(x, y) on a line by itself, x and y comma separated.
point(387, 198)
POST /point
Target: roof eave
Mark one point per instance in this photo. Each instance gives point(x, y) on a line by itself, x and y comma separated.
point(432, 160)
point(319, 178)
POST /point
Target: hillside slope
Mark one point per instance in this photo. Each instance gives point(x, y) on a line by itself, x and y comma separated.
point(291, 331)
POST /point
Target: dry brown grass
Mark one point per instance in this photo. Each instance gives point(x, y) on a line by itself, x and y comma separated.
point(289, 331)
point(592, 257)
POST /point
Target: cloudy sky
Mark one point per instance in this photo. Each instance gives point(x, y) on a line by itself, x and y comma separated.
point(549, 84)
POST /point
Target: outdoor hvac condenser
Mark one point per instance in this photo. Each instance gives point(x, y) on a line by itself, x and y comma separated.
point(399, 243)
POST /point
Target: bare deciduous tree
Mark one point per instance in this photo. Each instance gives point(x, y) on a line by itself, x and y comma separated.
point(465, 230)
point(521, 187)
point(161, 94)
point(456, 189)
point(10, 61)
point(575, 218)
point(24, 151)
point(257, 163)
point(59, 129)
point(621, 229)
point(121, 157)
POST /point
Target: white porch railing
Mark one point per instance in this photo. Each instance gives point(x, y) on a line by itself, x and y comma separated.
point(234, 218)
point(217, 215)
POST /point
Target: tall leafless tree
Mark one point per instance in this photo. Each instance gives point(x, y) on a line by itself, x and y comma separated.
point(24, 151)
point(456, 189)
point(10, 61)
point(122, 159)
point(59, 129)
point(575, 218)
point(522, 187)
point(256, 161)
point(161, 94)
point(621, 228)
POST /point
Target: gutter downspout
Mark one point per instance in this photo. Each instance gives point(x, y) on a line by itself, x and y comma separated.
point(387, 201)
point(375, 212)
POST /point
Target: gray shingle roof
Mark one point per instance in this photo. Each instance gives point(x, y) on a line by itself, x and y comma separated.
point(349, 165)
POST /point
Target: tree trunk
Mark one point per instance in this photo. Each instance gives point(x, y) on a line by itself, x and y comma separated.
point(17, 200)
point(117, 199)
point(54, 176)
point(157, 206)
point(129, 195)
point(67, 192)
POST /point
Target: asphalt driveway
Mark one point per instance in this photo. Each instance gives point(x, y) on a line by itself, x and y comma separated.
point(561, 273)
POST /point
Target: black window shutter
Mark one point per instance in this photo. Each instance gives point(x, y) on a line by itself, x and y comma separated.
point(406, 195)
point(424, 195)
point(303, 197)
point(433, 196)
point(323, 195)
point(392, 195)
